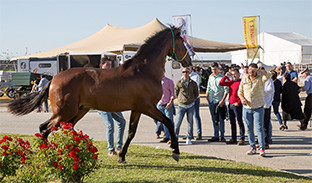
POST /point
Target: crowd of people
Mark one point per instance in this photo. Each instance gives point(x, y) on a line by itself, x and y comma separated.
point(237, 93)
point(233, 92)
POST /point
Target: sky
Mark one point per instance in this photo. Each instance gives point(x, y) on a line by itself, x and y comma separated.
point(41, 25)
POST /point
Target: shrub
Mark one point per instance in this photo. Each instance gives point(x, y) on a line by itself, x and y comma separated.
point(14, 154)
point(68, 155)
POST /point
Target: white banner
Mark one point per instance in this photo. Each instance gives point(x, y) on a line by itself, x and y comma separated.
point(183, 20)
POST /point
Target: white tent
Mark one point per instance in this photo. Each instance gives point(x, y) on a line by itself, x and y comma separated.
point(279, 47)
point(117, 40)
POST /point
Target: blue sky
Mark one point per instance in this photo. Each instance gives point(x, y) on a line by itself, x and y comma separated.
point(41, 25)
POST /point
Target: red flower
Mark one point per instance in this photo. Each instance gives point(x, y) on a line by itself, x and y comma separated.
point(9, 138)
point(74, 133)
point(90, 143)
point(76, 149)
point(60, 167)
point(44, 145)
point(38, 135)
point(75, 166)
point(67, 146)
point(94, 150)
point(75, 158)
point(86, 136)
point(5, 147)
point(72, 153)
point(95, 156)
point(54, 128)
point(1, 141)
point(78, 139)
point(55, 164)
point(23, 160)
point(4, 153)
point(60, 152)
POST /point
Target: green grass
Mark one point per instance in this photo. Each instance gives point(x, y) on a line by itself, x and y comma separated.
point(148, 164)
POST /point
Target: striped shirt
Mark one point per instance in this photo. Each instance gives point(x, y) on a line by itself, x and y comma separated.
point(253, 90)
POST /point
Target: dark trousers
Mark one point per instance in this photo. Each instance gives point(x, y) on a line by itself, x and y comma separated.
point(266, 125)
point(236, 112)
point(307, 110)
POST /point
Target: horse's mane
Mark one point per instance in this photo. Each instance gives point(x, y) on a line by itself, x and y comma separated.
point(148, 45)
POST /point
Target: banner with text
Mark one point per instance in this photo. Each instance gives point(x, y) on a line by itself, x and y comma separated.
point(250, 34)
point(183, 20)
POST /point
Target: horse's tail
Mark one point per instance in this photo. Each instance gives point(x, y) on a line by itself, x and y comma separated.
point(29, 102)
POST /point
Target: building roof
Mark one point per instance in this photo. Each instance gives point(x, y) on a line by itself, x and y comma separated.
point(294, 38)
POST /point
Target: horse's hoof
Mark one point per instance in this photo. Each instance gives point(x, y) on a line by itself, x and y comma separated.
point(176, 156)
point(122, 161)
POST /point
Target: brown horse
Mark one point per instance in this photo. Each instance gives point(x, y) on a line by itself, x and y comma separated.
point(135, 86)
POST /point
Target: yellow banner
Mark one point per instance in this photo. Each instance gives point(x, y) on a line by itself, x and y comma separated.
point(250, 34)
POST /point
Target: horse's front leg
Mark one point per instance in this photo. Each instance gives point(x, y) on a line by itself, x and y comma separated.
point(159, 116)
point(134, 120)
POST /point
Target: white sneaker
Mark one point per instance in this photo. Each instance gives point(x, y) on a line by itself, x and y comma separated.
point(188, 141)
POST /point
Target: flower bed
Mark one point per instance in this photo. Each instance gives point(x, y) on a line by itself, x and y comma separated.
point(68, 155)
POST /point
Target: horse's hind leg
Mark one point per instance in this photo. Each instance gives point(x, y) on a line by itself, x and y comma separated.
point(159, 116)
point(79, 115)
point(44, 128)
point(134, 120)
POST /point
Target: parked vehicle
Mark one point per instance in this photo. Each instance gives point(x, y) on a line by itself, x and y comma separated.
point(29, 70)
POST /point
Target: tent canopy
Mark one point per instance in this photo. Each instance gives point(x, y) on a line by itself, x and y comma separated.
point(117, 40)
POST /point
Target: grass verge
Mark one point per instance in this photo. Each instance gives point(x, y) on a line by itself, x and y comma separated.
point(148, 164)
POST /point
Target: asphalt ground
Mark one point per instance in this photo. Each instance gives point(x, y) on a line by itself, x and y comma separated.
point(291, 150)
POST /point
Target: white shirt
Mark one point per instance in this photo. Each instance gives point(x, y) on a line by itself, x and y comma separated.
point(268, 93)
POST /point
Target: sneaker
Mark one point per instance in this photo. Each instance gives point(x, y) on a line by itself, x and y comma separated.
point(157, 136)
point(222, 139)
point(111, 154)
point(266, 146)
point(251, 151)
point(282, 127)
point(188, 141)
point(169, 142)
point(185, 137)
point(262, 152)
point(213, 139)
point(241, 142)
point(164, 140)
point(199, 137)
point(231, 141)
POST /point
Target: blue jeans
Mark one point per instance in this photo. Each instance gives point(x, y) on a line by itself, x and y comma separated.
point(189, 114)
point(197, 116)
point(46, 106)
point(237, 112)
point(216, 127)
point(121, 123)
point(168, 114)
point(254, 117)
point(277, 114)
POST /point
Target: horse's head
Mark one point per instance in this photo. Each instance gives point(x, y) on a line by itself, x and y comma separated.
point(179, 51)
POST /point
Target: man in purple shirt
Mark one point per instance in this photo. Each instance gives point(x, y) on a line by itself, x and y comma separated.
point(166, 106)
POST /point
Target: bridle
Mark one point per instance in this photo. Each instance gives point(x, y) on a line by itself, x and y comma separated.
point(174, 55)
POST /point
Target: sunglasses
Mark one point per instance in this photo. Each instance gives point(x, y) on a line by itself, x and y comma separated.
point(185, 71)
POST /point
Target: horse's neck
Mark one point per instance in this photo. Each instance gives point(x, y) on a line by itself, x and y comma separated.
point(154, 62)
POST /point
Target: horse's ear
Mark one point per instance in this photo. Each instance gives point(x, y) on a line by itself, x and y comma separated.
point(179, 28)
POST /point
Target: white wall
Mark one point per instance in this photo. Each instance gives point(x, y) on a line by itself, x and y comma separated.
point(276, 50)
